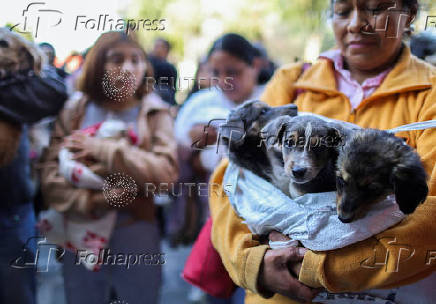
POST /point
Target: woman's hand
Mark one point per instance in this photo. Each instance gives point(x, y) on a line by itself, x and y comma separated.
point(275, 236)
point(275, 277)
point(81, 145)
point(97, 204)
point(202, 135)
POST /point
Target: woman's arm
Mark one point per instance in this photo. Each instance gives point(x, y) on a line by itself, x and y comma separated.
point(241, 252)
point(156, 166)
point(252, 265)
point(57, 191)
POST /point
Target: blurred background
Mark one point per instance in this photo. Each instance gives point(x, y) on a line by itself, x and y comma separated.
point(289, 30)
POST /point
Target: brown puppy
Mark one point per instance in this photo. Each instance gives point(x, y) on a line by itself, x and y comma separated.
point(373, 164)
point(307, 148)
point(17, 54)
point(242, 136)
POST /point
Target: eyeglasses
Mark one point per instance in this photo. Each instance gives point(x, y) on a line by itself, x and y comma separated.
point(386, 17)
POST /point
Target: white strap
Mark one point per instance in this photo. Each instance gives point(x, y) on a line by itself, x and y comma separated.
point(283, 244)
point(422, 125)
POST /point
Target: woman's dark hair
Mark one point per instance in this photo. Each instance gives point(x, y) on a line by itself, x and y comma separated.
point(91, 79)
point(196, 85)
point(235, 45)
point(410, 4)
point(423, 44)
point(413, 5)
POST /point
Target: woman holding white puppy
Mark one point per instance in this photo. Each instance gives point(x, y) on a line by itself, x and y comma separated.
point(122, 133)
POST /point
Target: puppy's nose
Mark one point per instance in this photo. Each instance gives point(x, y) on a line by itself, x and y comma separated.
point(299, 172)
point(345, 220)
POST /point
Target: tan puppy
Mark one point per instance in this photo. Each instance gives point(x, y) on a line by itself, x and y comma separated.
point(16, 53)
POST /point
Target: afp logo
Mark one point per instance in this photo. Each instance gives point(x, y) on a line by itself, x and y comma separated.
point(389, 257)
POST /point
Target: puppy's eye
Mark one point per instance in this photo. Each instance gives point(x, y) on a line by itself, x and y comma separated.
point(4, 44)
point(263, 111)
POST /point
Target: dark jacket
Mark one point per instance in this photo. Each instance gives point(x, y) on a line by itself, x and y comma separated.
point(165, 76)
point(24, 98)
point(27, 98)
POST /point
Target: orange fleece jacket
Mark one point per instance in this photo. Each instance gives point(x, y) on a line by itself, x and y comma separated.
point(407, 95)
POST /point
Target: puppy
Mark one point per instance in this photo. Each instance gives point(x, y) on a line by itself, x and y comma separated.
point(373, 164)
point(18, 54)
point(307, 147)
point(241, 135)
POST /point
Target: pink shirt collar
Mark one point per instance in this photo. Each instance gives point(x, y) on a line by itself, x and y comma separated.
point(351, 88)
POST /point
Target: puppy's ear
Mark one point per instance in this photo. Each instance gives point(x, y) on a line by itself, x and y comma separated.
point(31, 56)
point(289, 110)
point(335, 138)
point(343, 131)
point(273, 132)
point(338, 135)
point(410, 185)
point(232, 131)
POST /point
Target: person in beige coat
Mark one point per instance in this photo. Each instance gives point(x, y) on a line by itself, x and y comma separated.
point(149, 156)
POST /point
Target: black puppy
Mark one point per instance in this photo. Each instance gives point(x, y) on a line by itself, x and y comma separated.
point(373, 164)
point(307, 147)
point(241, 134)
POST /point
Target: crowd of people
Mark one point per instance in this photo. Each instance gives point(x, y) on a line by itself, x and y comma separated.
point(65, 130)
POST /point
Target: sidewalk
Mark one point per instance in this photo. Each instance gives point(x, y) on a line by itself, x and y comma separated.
point(50, 285)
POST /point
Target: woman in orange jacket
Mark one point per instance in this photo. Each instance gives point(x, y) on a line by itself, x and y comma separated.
point(372, 80)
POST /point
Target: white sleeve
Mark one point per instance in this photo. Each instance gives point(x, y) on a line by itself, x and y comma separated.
point(201, 108)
